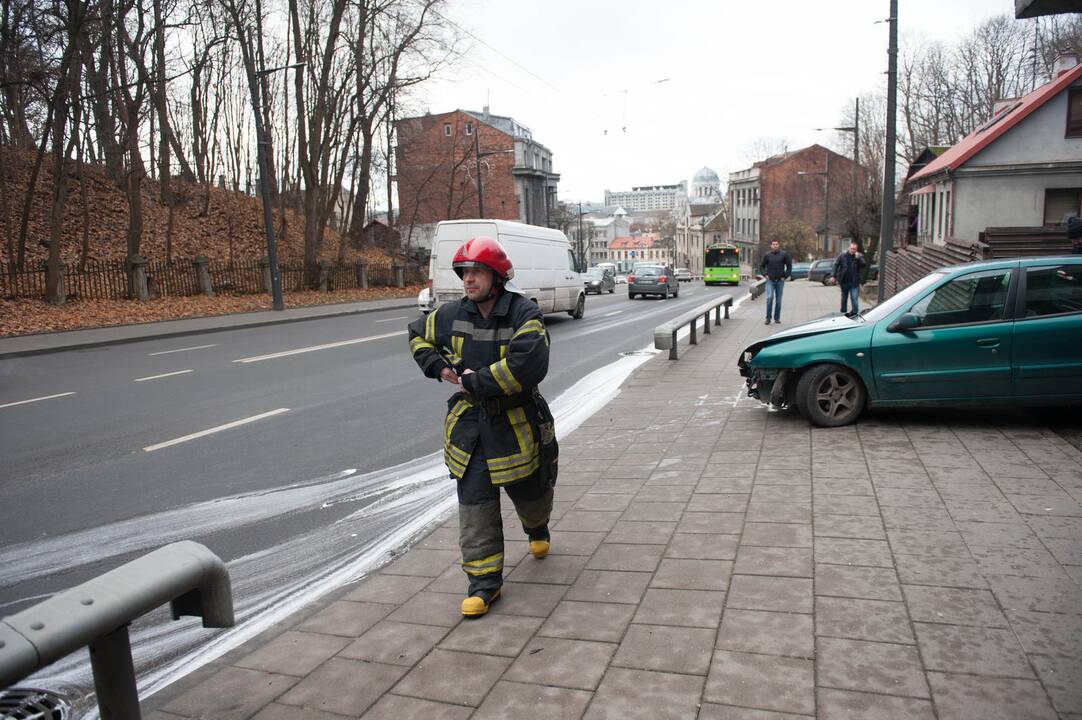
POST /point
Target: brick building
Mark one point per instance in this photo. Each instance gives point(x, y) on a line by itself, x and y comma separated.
point(811, 188)
point(437, 167)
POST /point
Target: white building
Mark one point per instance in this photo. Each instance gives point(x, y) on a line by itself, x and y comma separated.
point(1022, 168)
point(598, 232)
point(647, 197)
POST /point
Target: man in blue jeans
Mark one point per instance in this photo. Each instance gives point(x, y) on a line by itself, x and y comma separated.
point(776, 265)
point(848, 272)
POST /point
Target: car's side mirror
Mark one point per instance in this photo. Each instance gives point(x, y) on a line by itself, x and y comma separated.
point(904, 322)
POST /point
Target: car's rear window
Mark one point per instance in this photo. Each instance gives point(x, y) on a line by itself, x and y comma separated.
point(651, 271)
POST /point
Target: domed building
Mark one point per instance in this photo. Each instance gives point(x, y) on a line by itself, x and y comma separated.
point(705, 187)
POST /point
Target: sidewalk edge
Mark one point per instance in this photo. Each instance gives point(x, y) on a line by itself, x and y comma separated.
point(181, 333)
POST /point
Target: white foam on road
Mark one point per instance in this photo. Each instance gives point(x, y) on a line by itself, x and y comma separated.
point(396, 505)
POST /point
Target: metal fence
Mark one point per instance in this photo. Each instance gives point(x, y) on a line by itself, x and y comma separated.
point(108, 280)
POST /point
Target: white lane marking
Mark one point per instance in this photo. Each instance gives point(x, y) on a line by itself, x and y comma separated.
point(46, 397)
point(401, 317)
point(209, 431)
point(163, 375)
point(617, 312)
point(195, 347)
point(313, 348)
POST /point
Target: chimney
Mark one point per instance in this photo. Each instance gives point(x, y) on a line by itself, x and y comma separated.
point(1065, 60)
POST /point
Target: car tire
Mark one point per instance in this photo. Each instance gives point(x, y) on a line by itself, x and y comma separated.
point(676, 292)
point(631, 296)
point(612, 291)
point(830, 395)
point(580, 308)
point(665, 295)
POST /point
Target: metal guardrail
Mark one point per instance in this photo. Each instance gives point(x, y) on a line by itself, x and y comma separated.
point(757, 288)
point(665, 334)
point(96, 614)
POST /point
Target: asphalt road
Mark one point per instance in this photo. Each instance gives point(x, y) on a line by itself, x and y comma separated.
point(108, 468)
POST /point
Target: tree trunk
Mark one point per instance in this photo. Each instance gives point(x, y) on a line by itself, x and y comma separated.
point(84, 250)
point(360, 206)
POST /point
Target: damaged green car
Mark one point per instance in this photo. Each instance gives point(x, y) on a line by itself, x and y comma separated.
point(998, 332)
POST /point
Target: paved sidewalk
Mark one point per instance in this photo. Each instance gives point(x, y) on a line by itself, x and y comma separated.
point(94, 337)
point(712, 559)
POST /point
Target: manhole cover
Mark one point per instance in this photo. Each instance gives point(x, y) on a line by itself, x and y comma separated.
point(31, 704)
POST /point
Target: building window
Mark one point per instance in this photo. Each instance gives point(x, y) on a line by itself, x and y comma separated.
point(1074, 112)
point(447, 129)
point(469, 129)
point(1060, 203)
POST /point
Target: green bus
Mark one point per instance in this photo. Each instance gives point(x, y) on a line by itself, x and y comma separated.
point(721, 264)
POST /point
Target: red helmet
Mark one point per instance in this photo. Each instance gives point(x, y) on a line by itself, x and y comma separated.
point(483, 251)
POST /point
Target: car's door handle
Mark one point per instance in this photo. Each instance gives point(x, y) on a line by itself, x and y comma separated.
point(988, 342)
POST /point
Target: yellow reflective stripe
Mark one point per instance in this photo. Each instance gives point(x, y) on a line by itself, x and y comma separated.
point(503, 351)
point(528, 327)
point(505, 476)
point(430, 327)
point(527, 446)
point(504, 378)
point(491, 559)
point(456, 345)
point(483, 571)
point(418, 343)
point(457, 469)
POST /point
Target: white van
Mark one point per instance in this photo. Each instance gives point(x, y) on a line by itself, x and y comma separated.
point(542, 258)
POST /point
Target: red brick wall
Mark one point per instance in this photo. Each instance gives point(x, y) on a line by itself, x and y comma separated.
point(437, 173)
point(784, 195)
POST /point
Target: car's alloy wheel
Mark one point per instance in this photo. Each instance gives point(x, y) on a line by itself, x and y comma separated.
point(830, 395)
point(580, 308)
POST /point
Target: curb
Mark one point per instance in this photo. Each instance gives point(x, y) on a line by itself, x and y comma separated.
point(412, 303)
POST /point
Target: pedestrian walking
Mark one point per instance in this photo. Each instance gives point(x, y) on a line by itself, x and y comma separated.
point(775, 266)
point(849, 273)
point(491, 345)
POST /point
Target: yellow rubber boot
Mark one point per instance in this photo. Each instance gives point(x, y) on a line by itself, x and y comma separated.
point(475, 605)
point(539, 548)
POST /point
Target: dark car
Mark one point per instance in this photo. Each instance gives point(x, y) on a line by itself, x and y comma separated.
point(598, 280)
point(821, 271)
point(653, 280)
point(999, 332)
point(800, 271)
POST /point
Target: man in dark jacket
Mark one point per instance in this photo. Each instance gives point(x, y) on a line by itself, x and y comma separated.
point(493, 345)
point(848, 271)
point(776, 265)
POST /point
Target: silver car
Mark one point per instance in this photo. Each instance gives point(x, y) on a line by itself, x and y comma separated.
point(653, 280)
point(598, 280)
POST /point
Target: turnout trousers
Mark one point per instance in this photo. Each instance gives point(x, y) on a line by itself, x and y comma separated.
point(480, 522)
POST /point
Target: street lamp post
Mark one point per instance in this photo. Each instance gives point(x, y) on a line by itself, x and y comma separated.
point(855, 129)
point(886, 222)
point(264, 180)
point(477, 155)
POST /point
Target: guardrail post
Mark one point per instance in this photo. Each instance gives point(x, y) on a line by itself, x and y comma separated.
point(694, 331)
point(706, 321)
point(727, 306)
point(361, 269)
point(114, 676)
point(672, 351)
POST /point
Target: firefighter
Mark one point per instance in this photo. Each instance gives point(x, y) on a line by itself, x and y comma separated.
point(493, 346)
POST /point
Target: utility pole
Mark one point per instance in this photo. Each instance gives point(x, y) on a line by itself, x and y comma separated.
point(254, 85)
point(886, 223)
point(477, 159)
point(582, 240)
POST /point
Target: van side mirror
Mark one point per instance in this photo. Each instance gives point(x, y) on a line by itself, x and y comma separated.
point(904, 323)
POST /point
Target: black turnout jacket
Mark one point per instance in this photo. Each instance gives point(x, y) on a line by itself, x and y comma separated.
point(509, 354)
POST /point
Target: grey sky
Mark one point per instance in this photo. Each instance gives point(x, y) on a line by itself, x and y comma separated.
point(737, 71)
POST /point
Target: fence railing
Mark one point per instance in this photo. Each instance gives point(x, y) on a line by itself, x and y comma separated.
point(108, 280)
